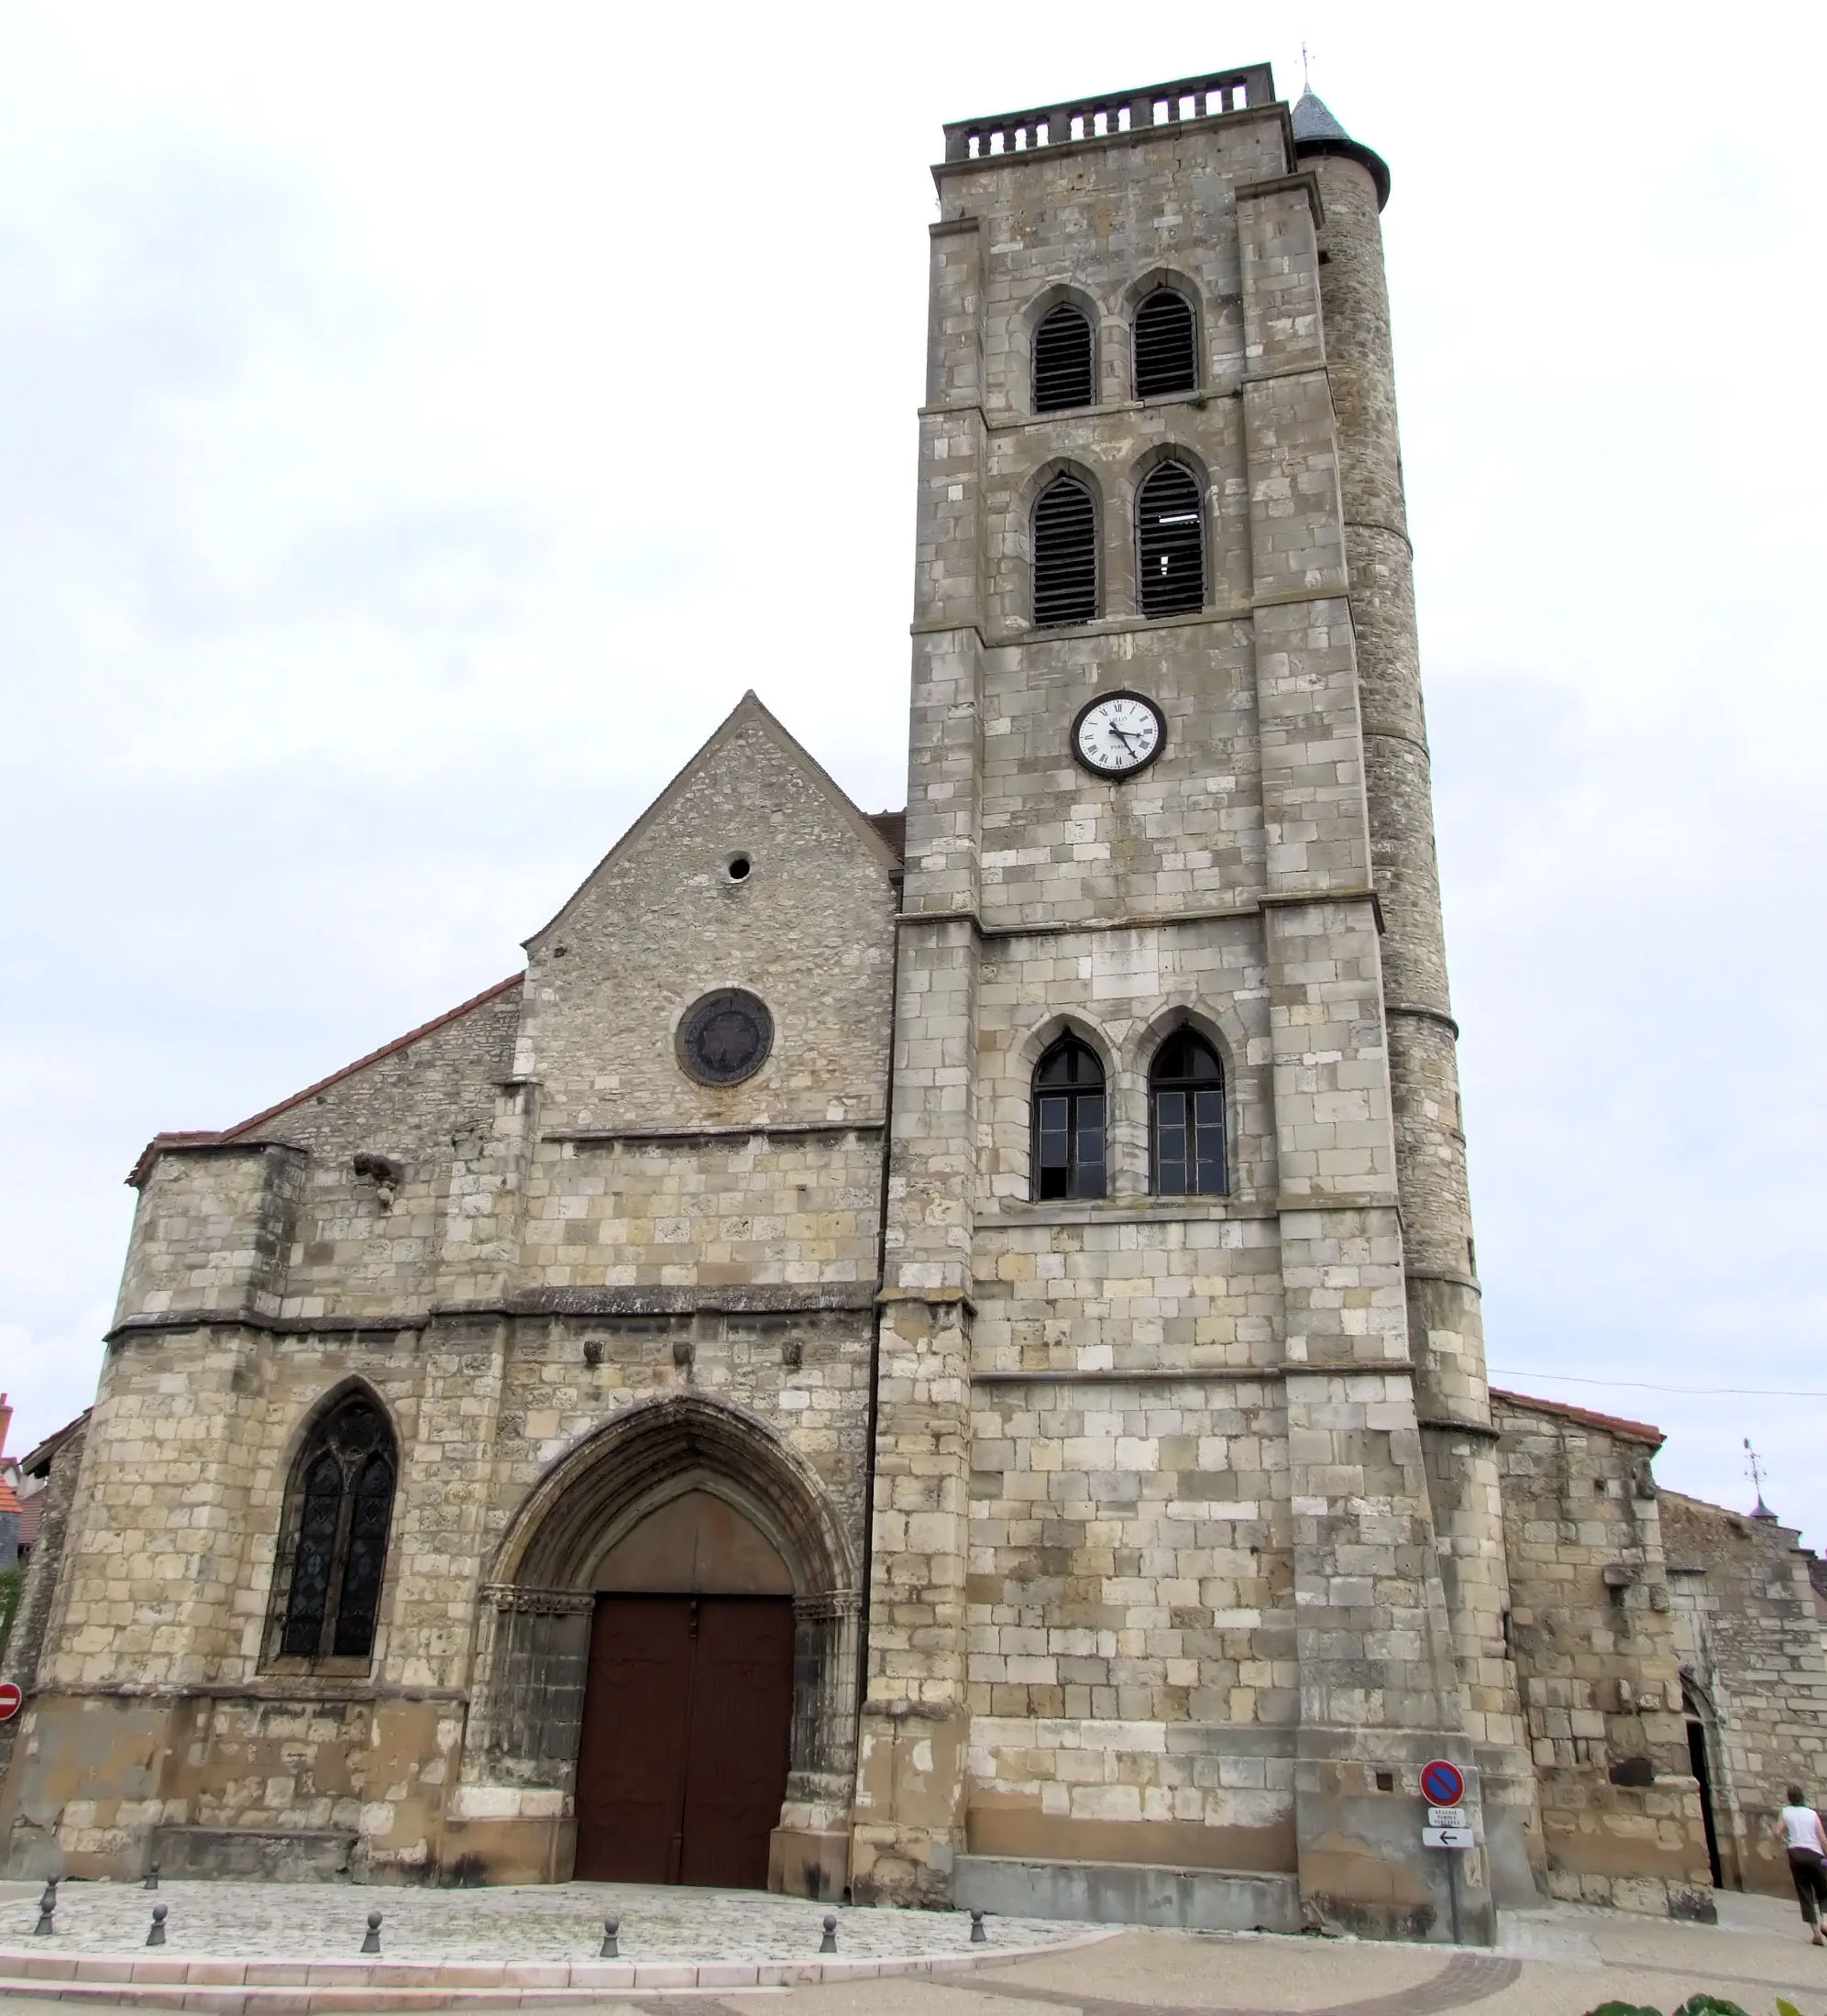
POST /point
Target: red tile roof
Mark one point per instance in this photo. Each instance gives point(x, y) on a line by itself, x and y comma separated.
point(1637, 1431)
point(205, 1138)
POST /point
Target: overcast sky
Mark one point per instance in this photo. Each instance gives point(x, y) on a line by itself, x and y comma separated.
point(418, 426)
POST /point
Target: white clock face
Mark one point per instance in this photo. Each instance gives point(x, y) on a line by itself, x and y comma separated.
point(1118, 734)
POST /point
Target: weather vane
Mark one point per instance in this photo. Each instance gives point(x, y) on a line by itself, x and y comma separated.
point(1754, 1465)
point(1304, 85)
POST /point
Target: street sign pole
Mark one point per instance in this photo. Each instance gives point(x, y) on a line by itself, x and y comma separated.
point(1444, 1784)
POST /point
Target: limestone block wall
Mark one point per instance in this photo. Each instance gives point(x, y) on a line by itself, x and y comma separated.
point(213, 1230)
point(1595, 1650)
point(798, 1208)
point(1749, 1646)
point(1132, 1671)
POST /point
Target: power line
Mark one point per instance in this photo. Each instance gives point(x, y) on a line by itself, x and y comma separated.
point(1646, 1385)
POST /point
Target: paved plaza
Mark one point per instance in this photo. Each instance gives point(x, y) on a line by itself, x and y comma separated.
point(247, 1949)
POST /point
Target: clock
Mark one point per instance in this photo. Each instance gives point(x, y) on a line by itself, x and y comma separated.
point(1117, 734)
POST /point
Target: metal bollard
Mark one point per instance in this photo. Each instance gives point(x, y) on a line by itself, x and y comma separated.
point(977, 1928)
point(829, 1942)
point(610, 1951)
point(151, 1882)
point(372, 1942)
point(47, 1906)
point(155, 1937)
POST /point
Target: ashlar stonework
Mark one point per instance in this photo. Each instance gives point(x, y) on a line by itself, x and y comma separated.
point(760, 1472)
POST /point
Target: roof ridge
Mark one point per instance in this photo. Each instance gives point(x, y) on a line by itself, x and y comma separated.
point(1645, 1431)
point(205, 1137)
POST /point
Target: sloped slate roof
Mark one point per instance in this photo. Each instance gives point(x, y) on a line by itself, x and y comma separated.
point(1317, 132)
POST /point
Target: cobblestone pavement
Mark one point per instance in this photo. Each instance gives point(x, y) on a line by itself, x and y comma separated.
point(544, 1922)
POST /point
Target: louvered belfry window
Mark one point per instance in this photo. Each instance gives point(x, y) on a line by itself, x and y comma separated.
point(1063, 359)
point(341, 1505)
point(1167, 357)
point(1065, 553)
point(1171, 541)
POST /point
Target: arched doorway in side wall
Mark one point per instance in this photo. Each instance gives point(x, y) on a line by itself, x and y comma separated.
point(687, 1711)
point(1700, 1761)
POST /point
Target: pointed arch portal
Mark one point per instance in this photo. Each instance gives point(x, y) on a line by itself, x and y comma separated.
point(671, 1638)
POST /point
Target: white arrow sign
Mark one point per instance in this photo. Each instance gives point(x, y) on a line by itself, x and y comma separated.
point(1446, 1838)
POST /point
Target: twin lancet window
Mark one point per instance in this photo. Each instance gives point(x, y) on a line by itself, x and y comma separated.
point(334, 1547)
point(1186, 1121)
point(1170, 509)
point(1165, 353)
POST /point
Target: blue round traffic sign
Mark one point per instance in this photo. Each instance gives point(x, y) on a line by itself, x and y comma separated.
point(1443, 1783)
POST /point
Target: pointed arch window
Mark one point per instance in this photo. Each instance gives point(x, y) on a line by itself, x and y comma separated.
point(1068, 1122)
point(338, 1513)
point(1186, 1119)
point(1063, 370)
point(1171, 542)
point(1167, 352)
point(1065, 553)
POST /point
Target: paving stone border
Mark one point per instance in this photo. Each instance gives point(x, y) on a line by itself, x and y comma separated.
point(266, 1949)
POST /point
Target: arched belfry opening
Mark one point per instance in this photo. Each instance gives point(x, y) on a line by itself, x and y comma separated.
point(669, 1644)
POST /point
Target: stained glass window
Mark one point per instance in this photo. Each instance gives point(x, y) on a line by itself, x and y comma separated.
point(341, 1507)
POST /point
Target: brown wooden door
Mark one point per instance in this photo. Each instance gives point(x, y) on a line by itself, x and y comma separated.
point(682, 1764)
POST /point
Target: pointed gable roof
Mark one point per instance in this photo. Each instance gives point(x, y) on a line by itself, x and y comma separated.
point(748, 713)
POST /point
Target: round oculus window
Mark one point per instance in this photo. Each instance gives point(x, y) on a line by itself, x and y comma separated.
point(725, 1037)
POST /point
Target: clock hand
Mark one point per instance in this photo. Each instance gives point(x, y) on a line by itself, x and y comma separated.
point(1121, 734)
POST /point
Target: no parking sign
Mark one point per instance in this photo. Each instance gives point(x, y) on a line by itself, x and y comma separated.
point(1442, 1784)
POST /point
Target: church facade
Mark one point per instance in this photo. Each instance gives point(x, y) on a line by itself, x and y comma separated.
point(930, 1358)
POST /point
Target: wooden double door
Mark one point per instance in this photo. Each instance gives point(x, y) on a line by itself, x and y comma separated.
point(687, 1719)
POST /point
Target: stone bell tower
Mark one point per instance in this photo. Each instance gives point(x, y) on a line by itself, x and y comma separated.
point(1185, 1553)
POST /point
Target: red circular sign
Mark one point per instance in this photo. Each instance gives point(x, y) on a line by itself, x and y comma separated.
point(1442, 1782)
point(10, 1698)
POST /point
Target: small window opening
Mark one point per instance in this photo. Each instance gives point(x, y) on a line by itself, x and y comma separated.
point(1171, 539)
point(1065, 554)
point(738, 870)
point(1186, 1101)
point(1166, 352)
point(1063, 359)
point(1068, 1122)
point(1386, 1781)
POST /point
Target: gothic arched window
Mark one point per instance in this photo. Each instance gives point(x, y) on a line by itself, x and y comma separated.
point(1167, 348)
point(1068, 1122)
point(1186, 1118)
point(338, 1515)
point(1063, 359)
point(1065, 553)
point(1170, 542)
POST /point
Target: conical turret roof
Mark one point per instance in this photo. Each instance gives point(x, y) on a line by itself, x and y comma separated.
point(1317, 132)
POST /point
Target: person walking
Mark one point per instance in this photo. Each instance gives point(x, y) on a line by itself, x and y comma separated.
point(1798, 1827)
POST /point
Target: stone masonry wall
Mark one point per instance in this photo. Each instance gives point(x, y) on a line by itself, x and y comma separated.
point(1595, 1646)
point(1749, 1647)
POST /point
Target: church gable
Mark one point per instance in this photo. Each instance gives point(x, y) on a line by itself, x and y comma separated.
point(753, 877)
